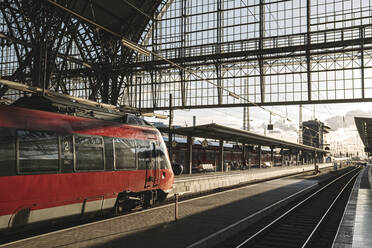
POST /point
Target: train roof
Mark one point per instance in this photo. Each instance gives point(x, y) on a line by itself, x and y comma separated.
point(75, 108)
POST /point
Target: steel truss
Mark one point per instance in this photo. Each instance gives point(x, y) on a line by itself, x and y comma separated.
point(276, 52)
point(271, 52)
point(47, 47)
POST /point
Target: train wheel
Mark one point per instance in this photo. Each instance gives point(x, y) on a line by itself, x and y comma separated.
point(119, 207)
point(21, 218)
point(161, 196)
point(125, 204)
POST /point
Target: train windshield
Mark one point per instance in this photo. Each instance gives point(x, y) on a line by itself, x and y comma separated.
point(162, 154)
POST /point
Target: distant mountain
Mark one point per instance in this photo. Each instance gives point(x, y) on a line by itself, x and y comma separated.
point(346, 121)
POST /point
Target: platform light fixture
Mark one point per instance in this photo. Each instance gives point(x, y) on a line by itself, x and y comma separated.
point(135, 47)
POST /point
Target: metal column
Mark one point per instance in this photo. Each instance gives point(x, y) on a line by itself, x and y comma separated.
point(189, 154)
point(243, 154)
point(220, 157)
point(308, 53)
point(218, 50)
point(361, 30)
point(248, 158)
point(282, 153)
point(259, 156)
point(261, 47)
point(170, 136)
point(316, 168)
point(272, 155)
point(297, 157)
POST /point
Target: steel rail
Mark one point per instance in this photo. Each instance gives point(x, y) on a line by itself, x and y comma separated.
point(170, 204)
point(328, 210)
point(126, 215)
point(344, 213)
point(292, 209)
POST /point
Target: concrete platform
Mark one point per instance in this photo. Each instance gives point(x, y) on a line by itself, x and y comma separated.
point(200, 182)
point(356, 227)
point(198, 218)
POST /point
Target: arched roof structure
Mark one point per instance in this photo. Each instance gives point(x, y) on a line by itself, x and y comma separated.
point(72, 46)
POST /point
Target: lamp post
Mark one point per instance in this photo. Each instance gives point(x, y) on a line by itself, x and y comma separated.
point(170, 139)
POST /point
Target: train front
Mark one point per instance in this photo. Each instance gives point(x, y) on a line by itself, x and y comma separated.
point(167, 175)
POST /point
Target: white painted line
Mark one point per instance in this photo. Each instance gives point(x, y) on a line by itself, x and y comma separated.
point(353, 192)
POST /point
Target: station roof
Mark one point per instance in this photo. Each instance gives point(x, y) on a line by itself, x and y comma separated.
point(364, 126)
point(128, 18)
point(215, 131)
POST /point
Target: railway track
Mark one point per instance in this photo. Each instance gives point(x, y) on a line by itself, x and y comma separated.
point(48, 230)
point(311, 222)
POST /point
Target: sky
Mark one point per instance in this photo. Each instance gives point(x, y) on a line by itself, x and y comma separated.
point(343, 136)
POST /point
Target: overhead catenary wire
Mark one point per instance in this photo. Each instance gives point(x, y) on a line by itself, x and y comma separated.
point(324, 112)
point(229, 92)
point(248, 101)
point(291, 125)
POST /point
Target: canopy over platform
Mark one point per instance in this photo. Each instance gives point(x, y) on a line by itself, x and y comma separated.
point(215, 131)
point(364, 126)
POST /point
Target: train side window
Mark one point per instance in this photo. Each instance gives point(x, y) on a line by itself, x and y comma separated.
point(109, 153)
point(125, 154)
point(7, 152)
point(89, 153)
point(37, 151)
point(144, 153)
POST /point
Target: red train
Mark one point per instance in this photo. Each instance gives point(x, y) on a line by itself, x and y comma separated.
point(55, 165)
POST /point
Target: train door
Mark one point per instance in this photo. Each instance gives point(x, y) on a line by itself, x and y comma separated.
point(152, 166)
point(150, 163)
point(155, 155)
